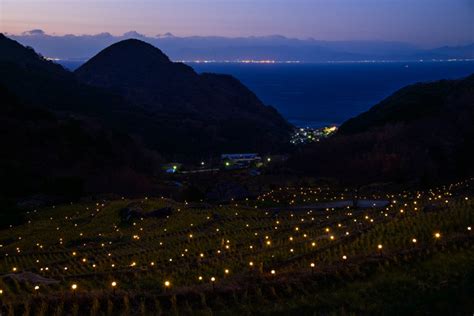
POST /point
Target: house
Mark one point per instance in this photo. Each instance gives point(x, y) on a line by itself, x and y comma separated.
point(236, 161)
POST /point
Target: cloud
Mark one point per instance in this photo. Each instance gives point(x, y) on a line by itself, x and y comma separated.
point(167, 34)
point(133, 34)
point(35, 32)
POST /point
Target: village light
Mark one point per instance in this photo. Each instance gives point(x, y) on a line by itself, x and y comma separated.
point(37, 287)
point(213, 279)
point(414, 240)
point(167, 283)
point(437, 235)
point(74, 287)
point(226, 271)
point(113, 284)
point(379, 246)
point(312, 265)
point(272, 272)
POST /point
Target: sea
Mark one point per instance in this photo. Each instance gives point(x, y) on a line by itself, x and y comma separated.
point(322, 94)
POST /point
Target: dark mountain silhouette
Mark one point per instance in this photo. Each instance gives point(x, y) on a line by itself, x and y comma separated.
point(415, 102)
point(63, 158)
point(37, 81)
point(204, 115)
point(215, 111)
point(423, 132)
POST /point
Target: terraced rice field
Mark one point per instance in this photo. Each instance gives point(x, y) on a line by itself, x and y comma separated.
point(202, 257)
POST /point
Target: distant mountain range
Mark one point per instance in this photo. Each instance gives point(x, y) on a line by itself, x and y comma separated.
point(276, 47)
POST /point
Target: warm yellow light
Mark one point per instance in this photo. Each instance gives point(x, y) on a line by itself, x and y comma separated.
point(213, 279)
point(312, 265)
point(226, 271)
point(379, 246)
point(251, 263)
point(344, 257)
point(437, 235)
point(37, 287)
point(167, 283)
point(114, 284)
point(272, 272)
point(74, 287)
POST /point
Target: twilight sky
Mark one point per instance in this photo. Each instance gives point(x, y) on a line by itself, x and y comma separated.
point(427, 23)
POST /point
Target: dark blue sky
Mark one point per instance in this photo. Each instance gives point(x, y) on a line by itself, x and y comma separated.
point(423, 22)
